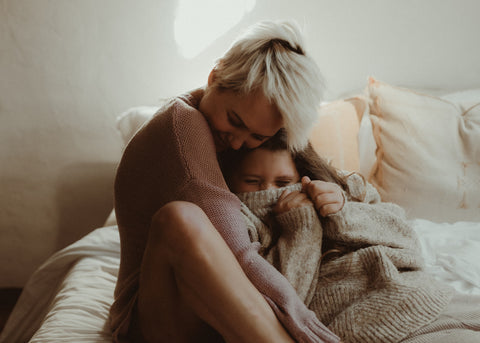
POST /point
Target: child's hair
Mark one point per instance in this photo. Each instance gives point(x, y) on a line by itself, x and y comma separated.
point(270, 56)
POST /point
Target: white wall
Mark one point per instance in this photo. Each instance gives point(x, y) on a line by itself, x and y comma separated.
point(69, 67)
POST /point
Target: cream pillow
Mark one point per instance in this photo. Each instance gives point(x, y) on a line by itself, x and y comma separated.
point(428, 156)
point(334, 136)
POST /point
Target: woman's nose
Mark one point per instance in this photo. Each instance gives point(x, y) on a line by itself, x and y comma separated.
point(236, 141)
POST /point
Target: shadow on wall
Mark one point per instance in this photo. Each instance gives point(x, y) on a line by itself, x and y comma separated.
point(85, 199)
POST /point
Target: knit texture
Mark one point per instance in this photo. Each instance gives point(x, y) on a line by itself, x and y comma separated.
point(173, 157)
point(377, 292)
point(284, 244)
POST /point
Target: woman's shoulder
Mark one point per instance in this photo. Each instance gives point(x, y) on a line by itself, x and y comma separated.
point(181, 113)
point(180, 132)
point(177, 131)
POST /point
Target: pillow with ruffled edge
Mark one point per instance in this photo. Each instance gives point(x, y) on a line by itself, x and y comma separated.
point(428, 155)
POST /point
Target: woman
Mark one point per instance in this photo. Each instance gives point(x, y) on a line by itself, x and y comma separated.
point(188, 271)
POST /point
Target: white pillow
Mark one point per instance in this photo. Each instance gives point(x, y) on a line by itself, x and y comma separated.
point(130, 121)
point(428, 155)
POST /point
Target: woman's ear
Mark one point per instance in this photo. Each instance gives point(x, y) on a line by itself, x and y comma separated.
point(211, 76)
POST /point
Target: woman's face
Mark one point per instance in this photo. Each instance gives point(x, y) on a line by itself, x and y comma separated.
point(237, 121)
point(263, 169)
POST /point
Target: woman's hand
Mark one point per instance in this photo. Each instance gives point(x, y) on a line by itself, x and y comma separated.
point(327, 197)
point(289, 200)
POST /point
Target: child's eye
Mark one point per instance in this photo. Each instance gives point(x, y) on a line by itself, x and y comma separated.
point(283, 183)
point(251, 181)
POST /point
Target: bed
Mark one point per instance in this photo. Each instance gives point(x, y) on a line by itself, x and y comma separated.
point(420, 149)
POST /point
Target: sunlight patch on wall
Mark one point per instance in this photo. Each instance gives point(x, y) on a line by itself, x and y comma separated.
point(200, 23)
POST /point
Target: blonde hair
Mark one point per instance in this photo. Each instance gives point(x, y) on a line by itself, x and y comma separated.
point(270, 57)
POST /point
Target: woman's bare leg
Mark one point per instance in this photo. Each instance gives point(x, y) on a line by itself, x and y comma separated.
point(190, 277)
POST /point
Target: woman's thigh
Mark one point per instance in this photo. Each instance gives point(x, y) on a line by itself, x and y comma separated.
point(164, 312)
point(190, 281)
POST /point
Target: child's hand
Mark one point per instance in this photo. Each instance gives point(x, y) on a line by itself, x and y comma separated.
point(327, 197)
point(289, 200)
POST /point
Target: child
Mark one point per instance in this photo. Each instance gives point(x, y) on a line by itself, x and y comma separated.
point(373, 289)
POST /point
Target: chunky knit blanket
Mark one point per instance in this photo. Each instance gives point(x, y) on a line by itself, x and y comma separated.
point(376, 291)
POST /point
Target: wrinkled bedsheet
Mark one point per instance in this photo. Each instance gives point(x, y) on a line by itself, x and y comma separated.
point(67, 299)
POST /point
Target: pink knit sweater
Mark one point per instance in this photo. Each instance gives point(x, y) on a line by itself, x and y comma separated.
point(173, 157)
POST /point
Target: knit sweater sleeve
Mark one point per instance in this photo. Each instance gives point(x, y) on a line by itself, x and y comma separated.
point(290, 241)
point(207, 189)
point(298, 251)
point(373, 222)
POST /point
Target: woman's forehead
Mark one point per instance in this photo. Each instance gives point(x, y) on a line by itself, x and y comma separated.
point(258, 113)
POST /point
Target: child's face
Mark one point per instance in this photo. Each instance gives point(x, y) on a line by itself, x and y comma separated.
point(263, 169)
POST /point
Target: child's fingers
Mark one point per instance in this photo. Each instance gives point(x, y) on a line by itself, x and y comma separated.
point(328, 209)
point(305, 182)
point(326, 196)
point(317, 186)
point(283, 195)
point(293, 198)
point(328, 203)
point(290, 200)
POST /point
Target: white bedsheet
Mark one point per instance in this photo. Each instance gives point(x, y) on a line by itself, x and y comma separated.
point(452, 253)
point(68, 297)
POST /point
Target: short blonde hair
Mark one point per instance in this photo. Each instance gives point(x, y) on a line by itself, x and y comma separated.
point(270, 57)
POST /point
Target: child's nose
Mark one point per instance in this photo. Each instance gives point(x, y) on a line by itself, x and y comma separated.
point(267, 185)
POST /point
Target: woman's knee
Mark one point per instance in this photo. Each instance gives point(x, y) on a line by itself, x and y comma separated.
point(179, 225)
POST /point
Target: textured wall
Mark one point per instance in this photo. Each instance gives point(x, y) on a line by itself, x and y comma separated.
point(69, 67)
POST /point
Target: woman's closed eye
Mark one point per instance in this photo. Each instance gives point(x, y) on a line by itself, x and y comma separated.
point(235, 121)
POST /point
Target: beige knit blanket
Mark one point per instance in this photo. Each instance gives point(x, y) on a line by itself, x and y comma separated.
point(375, 293)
